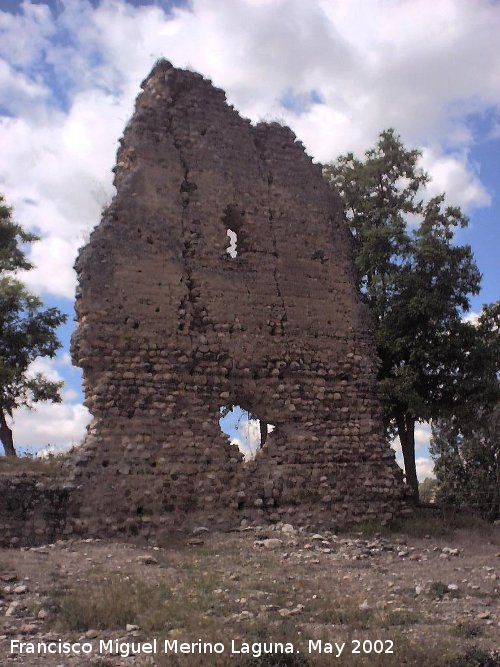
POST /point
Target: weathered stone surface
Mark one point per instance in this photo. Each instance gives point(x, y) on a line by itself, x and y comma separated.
point(33, 509)
point(171, 327)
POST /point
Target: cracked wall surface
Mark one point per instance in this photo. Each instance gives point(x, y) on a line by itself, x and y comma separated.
point(171, 328)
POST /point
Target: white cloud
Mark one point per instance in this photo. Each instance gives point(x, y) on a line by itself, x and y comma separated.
point(372, 64)
point(472, 318)
point(46, 366)
point(455, 176)
point(424, 464)
point(248, 441)
point(18, 90)
point(25, 37)
point(425, 468)
point(419, 66)
point(422, 436)
point(58, 424)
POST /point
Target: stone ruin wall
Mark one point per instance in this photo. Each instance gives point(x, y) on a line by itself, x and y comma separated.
point(171, 329)
point(33, 509)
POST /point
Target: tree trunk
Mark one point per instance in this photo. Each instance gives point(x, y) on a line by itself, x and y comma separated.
point(6, 436)
point(406, 432)
point(263, 432)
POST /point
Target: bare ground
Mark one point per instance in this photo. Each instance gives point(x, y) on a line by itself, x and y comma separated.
point(435, 596)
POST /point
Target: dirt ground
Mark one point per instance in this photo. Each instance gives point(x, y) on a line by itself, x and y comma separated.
point(396, 598)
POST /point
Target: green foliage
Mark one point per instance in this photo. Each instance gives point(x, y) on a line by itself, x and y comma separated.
point(467, 629)
point(27, 331)
point(467, 462)
point(278, 660)
point(428, 490)
point(475, 657)
point(415, 280)
point(465, 443)
point(438, 589)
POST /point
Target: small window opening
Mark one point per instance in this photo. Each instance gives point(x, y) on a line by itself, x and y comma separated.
point(244, 429)
point(233, 221)
point(232, 249)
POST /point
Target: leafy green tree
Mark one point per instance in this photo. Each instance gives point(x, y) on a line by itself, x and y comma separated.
point(27, 331)
point(415, 280)
point(428, 490)
point(467, 462)
point(465, 444)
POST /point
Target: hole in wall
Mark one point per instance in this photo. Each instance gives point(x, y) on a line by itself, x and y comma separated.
point(232, 249)
point(244, 429)
point(233, 221)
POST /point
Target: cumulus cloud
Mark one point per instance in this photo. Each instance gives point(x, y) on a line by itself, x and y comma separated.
point(248, 439)
point(70, 76)
point(457, 177)
point(245, 432)
point(336, 72)
point(425, 468)
point(472, 318)
point(59, 425)
point(424, 464)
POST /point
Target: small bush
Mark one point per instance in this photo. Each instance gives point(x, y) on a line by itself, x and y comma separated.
point(400, 618)
point(476, 658)
point(111, 604)
point(438, 589)
point(467, 629)
point(278, 660)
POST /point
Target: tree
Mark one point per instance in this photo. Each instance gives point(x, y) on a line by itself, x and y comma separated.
point(465, 444)
point(467, 462)
point(414, 279)
point(428, 490)
point(27, 331)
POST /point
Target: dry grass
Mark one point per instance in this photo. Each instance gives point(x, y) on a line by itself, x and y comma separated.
point(228, 589)
point(49, 466)
point(204, 599)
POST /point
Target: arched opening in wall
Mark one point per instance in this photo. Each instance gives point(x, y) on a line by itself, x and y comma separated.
point(244, 429)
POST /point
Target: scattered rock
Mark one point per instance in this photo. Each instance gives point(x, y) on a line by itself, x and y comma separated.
point(285, 612)
point(450, 551)
point(28, 628)
point(21, 589)
point(131, 628)
point(269, 543)
point(146, 559)
point(11, 610)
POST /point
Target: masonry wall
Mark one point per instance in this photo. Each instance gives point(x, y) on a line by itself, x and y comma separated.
point(33, 510)
point(171, 328)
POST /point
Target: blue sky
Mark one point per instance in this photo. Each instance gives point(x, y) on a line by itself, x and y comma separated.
point(336, 71)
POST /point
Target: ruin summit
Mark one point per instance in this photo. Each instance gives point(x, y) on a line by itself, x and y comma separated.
point(172, 328)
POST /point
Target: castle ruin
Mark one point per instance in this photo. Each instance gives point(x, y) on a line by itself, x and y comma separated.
point(172, 328)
